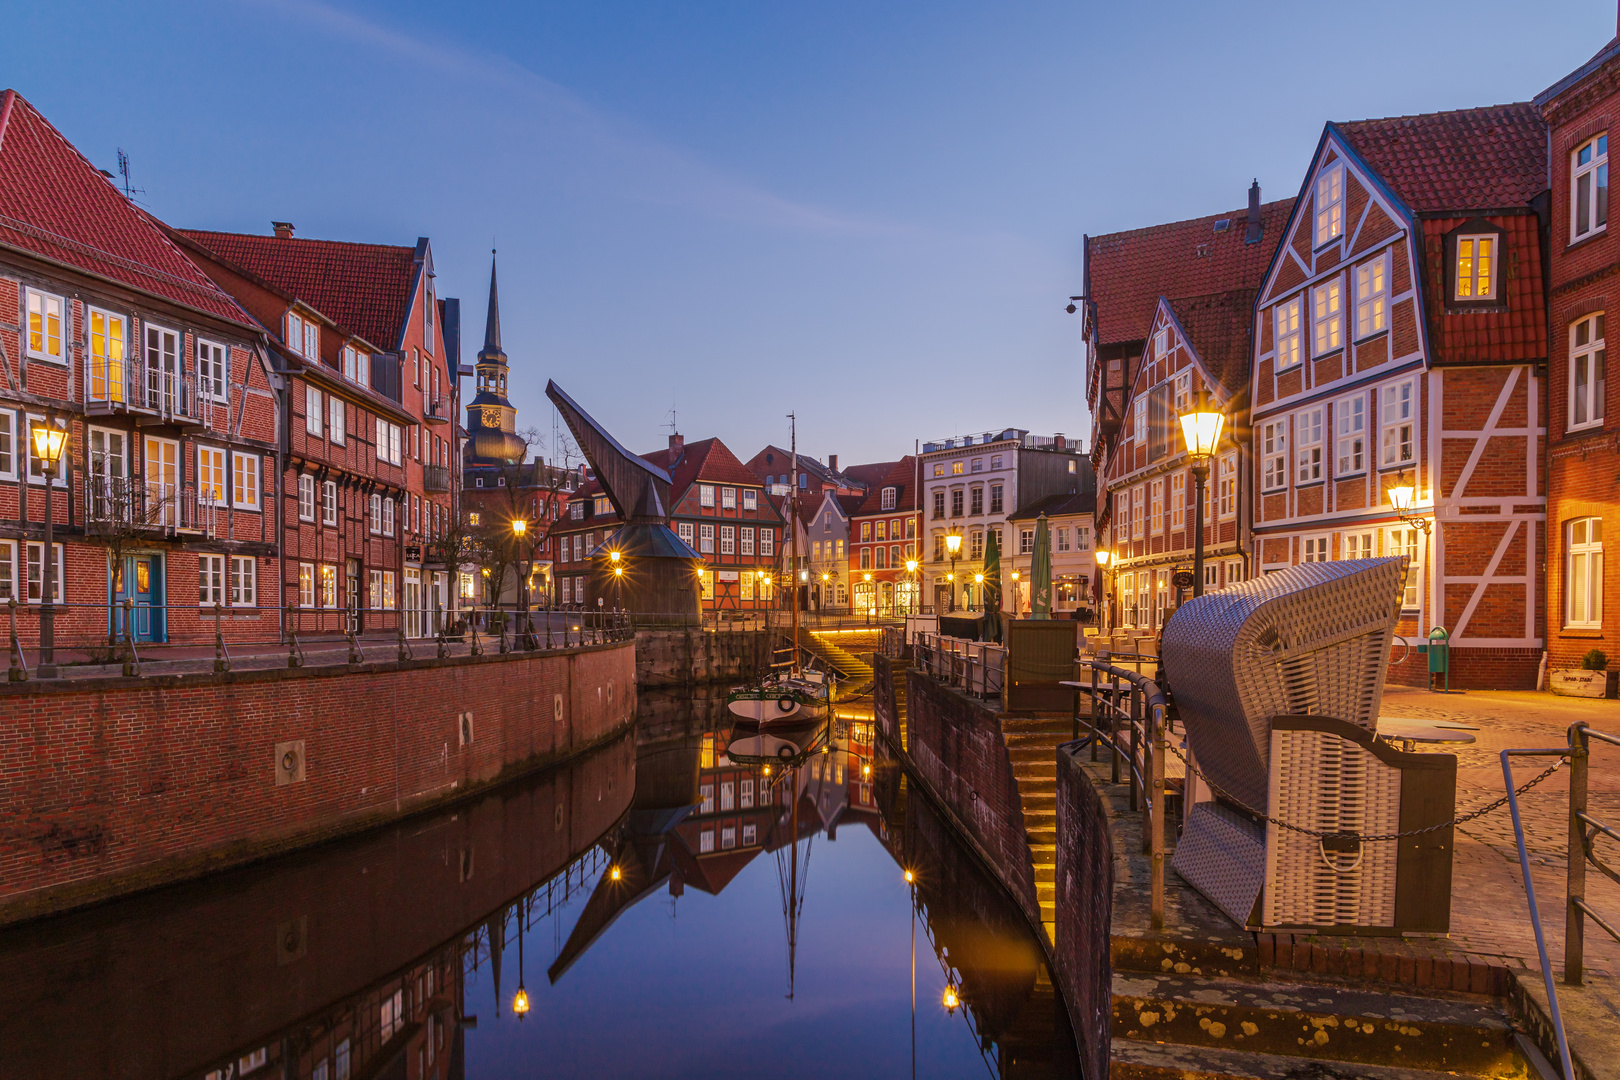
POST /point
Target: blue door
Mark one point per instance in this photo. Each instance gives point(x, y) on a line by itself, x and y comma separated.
point(141, 580)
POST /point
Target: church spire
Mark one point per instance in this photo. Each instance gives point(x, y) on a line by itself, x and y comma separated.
point(492, 324)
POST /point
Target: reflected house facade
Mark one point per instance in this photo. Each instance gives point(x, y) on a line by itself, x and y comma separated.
point(164, 497)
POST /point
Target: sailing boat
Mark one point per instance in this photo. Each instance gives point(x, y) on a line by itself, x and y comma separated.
point(779, 715)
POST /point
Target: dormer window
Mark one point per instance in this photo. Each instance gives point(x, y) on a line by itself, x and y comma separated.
point(888, 498)
point(427, 318)
point(1476, 267)
point(1589, 184)
point(1330, 205)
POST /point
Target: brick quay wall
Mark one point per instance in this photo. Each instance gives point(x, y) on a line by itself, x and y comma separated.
point(111, 786)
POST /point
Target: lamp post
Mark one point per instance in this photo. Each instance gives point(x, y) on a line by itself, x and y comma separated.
point(953, 548)
point(617, 560)
point(1201, 428)
point(1017, 600)
point(49, 442)
point(1403, 497)
point(520, 529)
point(871, 597)
point(978, 583)
point(1107, 597)
point(911, 586)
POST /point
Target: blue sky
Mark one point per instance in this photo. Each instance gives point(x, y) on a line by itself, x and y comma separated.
point(870, 214)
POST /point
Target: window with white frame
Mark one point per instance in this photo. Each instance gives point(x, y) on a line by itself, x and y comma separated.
point(750, 499)
point(705, 494)
point(362, 368)
point(1139, 421)
point(47, 327)
point(1178, 501)
point(108, 334)
point(1327, 316)
point(312, 410)
point(728, 498)
point(747, 540)
point(1397, 424)
point(1403, 542)
point(1476, 267)
point(8, 569)
point(888, 498)
point(728, 540)
point(295, 332)
point(211, 474)
point(347, 355)
point(1350, 430)
point(1156, 503)
point(1372, 296)
point(328, 580)
point(312, 340)
point(1586, 382)
point(1308, 434)
point(1122, 517)
point(1589, 186)
point(244, 581)
point(210, 580)
point(767, 542)
point(388, 516)
point(213, 369)
point(683, 529)
point(35, 569)
point(1330, 205)
point(427, 317)
point(1286, 315)
point(336, 419)
point(1356, 545)
point(1138, 504)
point(1061, 538)
point(706, 540)
point(1315, 549)
point(245, 481)
point(1226, 489)
point(306, 503)
point(306, 584)
point(1183, 391)
point(1583, 573)
point(1161, 342)
point(1274, 454)
point(329, 502)
point(1212, 575)
point(1127, 598)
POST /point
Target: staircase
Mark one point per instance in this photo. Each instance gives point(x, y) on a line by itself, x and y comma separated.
point(1032, 747)
point(840, 654)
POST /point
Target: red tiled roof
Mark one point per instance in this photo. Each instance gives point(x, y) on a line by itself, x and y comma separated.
point(850, 504)
point(1127, 272)
point(1491, 336)
point(57, 205)
point(1218, 328)
point(364, 288)
point(1472, 159)
point(902, 476)
point(869, 474)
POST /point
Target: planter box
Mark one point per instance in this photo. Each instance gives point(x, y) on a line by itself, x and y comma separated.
point(1578, 682)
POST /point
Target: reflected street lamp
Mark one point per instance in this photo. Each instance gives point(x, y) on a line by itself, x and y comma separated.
point(953, 548)
point(49, 441)
point(1201, 428)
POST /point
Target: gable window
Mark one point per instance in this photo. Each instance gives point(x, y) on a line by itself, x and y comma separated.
point(1139, 421)
point(1330, 205)
point(1397, 425)
point(362, 368)
point(1327, 316)
point(1161, 342)
point(750, 499)
point(306, 503)
point(348, 362)
point(888, 498)
point(312, 410)
point(295, 333)
point(1583, 572)
point(1183, 391)
point(1308, 433)
point(1274, 454)
point(212, 367)
point(728, 498)
point(46, 327)
point(1589, 183)
point(245, 481)
point(1372, 297)
point(427, 318)
point(1586, 356)
point(1350, 427)
point(1476, 267)
point(706, 495)
point(1287, 317)
point(107, 335)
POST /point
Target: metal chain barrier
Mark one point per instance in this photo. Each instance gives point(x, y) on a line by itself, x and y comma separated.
point(1343, 835)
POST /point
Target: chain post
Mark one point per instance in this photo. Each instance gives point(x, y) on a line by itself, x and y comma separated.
point(1096, 732)
point(1156, 830)
point(294, 655)
point(1136, 749)
point(19, 665)
point(222, 659)
point(404, 650)
point(132, 659)
point(1580, 751)
point(355, 655)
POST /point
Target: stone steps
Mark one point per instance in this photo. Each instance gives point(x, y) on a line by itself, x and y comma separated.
point(1133, 1060)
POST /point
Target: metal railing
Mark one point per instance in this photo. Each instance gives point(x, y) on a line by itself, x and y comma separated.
point(436, 410)
point(1125, 701)
point(973, 667)
point(131, 504)
point(133, 385)
point(1584, 832)
point(435, 478)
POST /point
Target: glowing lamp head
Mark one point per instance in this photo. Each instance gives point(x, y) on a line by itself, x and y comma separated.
point(953, 543)
point(1102, 557)
point(951, 999)
point(1402, 495)
point(978, 579)
point(866, 770)
point(520, 527)
point(766, 579)
point(618, 571)
point(868, 577)
point(614, 556)
point(49, 441)
point(1201, 427)
point(910, 877)
point(767, 770)
point(804, 575)
point(1015, 575)
point(911, 566)
point(520, 1003)
point(826, 577)
point(615, 873)
point(486, 571)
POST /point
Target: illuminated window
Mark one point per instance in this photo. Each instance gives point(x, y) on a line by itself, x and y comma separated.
point(1476, 267)
point(1330, 205)
point(1327, 316)
point(1589, 184)
point(1274, 455)
point(1156, 500)
point(211, 474)
point(1372, 297)
point(245, 477)
point(107, 337)
point(1308, 432)
point(45, 327)
point(1586, 384)
point(956, 468)
point(1583, 572)
point(1397, 423)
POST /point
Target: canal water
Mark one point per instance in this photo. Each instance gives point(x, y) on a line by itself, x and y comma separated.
point(647, 910)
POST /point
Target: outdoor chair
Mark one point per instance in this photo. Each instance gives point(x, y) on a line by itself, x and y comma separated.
point(1278, 683)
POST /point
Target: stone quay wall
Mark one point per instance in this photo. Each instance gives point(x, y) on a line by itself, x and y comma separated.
point(109, 786)
point(1085, 909)
point(693, 657)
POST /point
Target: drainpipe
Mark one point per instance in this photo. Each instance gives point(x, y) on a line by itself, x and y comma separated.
point(283, 441)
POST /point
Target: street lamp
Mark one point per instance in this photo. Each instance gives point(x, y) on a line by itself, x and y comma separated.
point(1103, 556)
point(49, 442)
point(911, 585)
point(1403, 497)
point(978, 581)
point(871, 597)
point(1201, 428)
point(520, 529)
point(953, 548)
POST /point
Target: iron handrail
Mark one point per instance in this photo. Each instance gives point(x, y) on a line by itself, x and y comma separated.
point(961, 658)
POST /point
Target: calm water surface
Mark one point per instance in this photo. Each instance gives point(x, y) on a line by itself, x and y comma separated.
point(642, 898)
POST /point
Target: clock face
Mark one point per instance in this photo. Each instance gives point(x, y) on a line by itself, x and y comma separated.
point(492, 416)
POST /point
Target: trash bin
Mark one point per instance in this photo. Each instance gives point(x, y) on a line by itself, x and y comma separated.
point(1439, 656)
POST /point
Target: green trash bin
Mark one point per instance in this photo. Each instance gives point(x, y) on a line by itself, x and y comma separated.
point(1439, 656)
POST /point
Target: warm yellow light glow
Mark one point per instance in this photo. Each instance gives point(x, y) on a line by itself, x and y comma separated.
point(953, 543)
point(520, 1003)
point(868, 577)
point(48, 443)
point(615, 873)
point(1102, 557)
point(911, 566)
point(486, 571)
point(520, 527)
point(614, 555)
point(804, 575)
point(866, 770)
point(1015, 575)
point(1401, 496)
point(1201, 427)
point(767, 770)
point(978, 579)
point(950, 577)
point(826, 577)
point(951, 1000)
point(766, 579)
point(618, 571)
point(910, 877)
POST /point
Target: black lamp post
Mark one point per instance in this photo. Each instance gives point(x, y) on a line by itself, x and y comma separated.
point(953, 548)
point(49, 442)
point(1201, 428)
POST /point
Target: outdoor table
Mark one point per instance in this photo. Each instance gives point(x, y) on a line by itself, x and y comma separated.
point(1408, 730)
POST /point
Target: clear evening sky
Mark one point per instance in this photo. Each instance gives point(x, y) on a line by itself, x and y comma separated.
point(869, 213)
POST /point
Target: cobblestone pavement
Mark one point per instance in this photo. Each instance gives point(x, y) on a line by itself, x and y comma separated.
point(1488, 911)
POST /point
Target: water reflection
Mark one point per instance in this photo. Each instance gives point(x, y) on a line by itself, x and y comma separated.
point(654, 909)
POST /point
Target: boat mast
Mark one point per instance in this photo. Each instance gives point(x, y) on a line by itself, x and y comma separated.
point(793, 544)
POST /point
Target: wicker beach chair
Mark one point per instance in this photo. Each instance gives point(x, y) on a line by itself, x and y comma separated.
point(1278, 683)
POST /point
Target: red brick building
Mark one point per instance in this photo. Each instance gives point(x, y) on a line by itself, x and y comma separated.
point(1399, 338)
point(882, 539)
point(165, 493)
point(1583, 445)
point(371, 393)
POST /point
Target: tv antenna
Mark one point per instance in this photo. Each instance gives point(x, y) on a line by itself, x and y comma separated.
point(123, 170)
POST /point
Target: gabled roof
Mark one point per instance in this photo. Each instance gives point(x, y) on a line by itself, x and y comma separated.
point(708, 460)
point(1217, 328)
point(869, 474)
point(367, 289)
point(1127, 272)
point(1057, 506)
point(1604, 55)
point(55, 204)
point(1493, 157)
point(902, 476)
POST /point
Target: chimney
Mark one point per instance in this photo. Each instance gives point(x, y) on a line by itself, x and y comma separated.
point(1252, 235)
point(284, 229)
point(832, 462)
point(1057, 441)
point(677, 443)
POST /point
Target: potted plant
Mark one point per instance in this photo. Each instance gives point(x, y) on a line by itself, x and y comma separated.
point(1592, 679)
